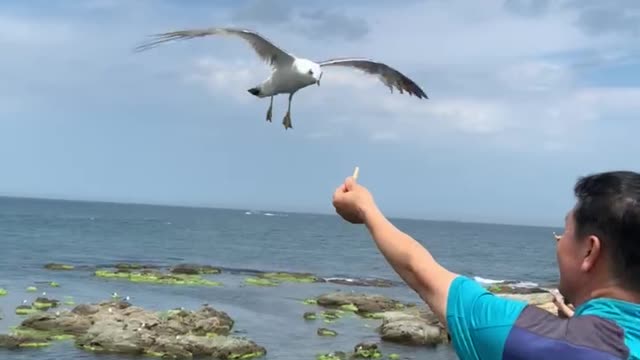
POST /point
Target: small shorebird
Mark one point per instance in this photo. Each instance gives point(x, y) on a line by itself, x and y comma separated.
point(289, 72)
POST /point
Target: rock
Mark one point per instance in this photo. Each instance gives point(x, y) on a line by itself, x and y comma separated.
point(44, 303)
point(26, 310)
point(3, 292)
point(66, 323)
point(119, 327)
point(359, 302)
point(326, 332)
point(259, 282)
point(85, 309)
point(155, 277)
point(360, 282)
point(133, 266)
point(309, 315)
point(55, 266)
point(366, 351)
point(336, 355)
point(17, 341)
point(192, 269)
point(412, 327)
point(360, 351)
point(290, 277)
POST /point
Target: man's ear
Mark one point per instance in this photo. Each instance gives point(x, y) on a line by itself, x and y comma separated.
point(592, 251)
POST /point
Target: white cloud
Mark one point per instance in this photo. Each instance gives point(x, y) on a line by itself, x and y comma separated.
point(228, 78)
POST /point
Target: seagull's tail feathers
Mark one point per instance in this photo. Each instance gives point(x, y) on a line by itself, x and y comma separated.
point(255, 91)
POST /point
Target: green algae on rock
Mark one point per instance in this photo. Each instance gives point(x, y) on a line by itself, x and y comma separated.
point(3, 292)
point(290, 277)
point(260, 282)
point(309, 315)
point(59, 267)
point(360, 351)
point(26, 310)
point(326, 332)
point(44, 303)
point(32, 289)
point(157, 278)
point(194, 269)
point(119, 327)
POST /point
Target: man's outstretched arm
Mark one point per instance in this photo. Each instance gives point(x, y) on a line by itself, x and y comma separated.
point(413, 263)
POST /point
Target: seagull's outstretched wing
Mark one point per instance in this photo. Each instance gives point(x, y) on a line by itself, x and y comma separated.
point(388, 75)
point(270, 53)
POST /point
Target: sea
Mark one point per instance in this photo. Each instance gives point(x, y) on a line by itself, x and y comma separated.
point(90, 235)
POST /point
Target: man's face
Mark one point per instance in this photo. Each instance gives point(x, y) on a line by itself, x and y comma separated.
point(568, 253)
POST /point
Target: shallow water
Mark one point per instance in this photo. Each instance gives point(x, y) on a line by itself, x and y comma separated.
point(35, 232)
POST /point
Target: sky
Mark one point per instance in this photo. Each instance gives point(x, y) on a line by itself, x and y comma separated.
point(524, 98)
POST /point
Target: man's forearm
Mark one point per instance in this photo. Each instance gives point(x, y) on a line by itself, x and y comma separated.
point(415, 265)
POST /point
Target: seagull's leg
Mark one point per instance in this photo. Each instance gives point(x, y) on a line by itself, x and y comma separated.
point(287, 118)
point(270, 110)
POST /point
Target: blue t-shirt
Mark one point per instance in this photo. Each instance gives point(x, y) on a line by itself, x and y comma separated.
point(484, 326)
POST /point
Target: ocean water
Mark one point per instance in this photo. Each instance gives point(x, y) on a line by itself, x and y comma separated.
point(88, 235)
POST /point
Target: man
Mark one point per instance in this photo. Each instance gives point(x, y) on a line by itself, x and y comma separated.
point(598, 257)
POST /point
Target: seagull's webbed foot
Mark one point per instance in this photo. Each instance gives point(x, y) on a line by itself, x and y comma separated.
point(270, 111)
point(287, 118)
point(287, 121)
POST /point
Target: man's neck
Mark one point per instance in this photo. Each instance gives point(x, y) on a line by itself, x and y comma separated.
point(611, 292)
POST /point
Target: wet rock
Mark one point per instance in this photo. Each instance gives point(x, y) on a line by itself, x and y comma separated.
point(58, 267)
point(360, 351)
point(280, 277)
point(17, 341)
point(3, 292)
point(309, 315)
point(133, 266)
point(44, 303)
point(413, 325)
point(119, 327)
point(360, 282)
point(26, 310)
point(417, 326)
point(193, 269)
point(155, 277)
point(326, 332)
point(366, 351)
point(259, 282)
point(359, 302)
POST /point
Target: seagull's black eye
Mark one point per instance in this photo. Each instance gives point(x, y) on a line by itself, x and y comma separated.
point(310, 72)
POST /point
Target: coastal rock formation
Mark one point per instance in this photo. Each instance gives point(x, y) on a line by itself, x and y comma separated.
point(119, 327)
point(410, 324)
point(361, 303)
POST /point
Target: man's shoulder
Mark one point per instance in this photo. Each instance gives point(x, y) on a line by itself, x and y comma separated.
point(537, 332)
point(625, 315)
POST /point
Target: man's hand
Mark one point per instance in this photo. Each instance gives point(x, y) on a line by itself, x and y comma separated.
point(564, 311)
point(409, 259)
point(353, 201)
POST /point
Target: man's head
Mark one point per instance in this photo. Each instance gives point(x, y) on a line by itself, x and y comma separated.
point(600, 246)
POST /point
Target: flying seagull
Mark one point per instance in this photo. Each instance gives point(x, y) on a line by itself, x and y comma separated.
point(289, 72)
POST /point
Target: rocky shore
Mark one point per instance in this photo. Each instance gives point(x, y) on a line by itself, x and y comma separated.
point(118, 326)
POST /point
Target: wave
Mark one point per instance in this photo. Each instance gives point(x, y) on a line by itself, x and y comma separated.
point(513, 283)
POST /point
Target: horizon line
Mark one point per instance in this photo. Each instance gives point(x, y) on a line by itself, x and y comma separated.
point(221, 207)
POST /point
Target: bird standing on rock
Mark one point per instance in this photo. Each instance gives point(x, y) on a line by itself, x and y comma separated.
point(289, 72)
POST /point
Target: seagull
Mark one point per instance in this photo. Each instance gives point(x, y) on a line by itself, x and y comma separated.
point(290, 73)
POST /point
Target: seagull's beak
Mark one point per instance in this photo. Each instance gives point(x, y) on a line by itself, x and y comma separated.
point(319, 77)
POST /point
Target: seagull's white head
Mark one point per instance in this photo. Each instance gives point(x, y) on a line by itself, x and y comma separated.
point(311, 69)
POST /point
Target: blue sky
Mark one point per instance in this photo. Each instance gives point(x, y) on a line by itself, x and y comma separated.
point(525, 97)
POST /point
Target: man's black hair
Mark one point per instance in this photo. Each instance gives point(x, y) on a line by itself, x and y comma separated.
point(608, 206)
